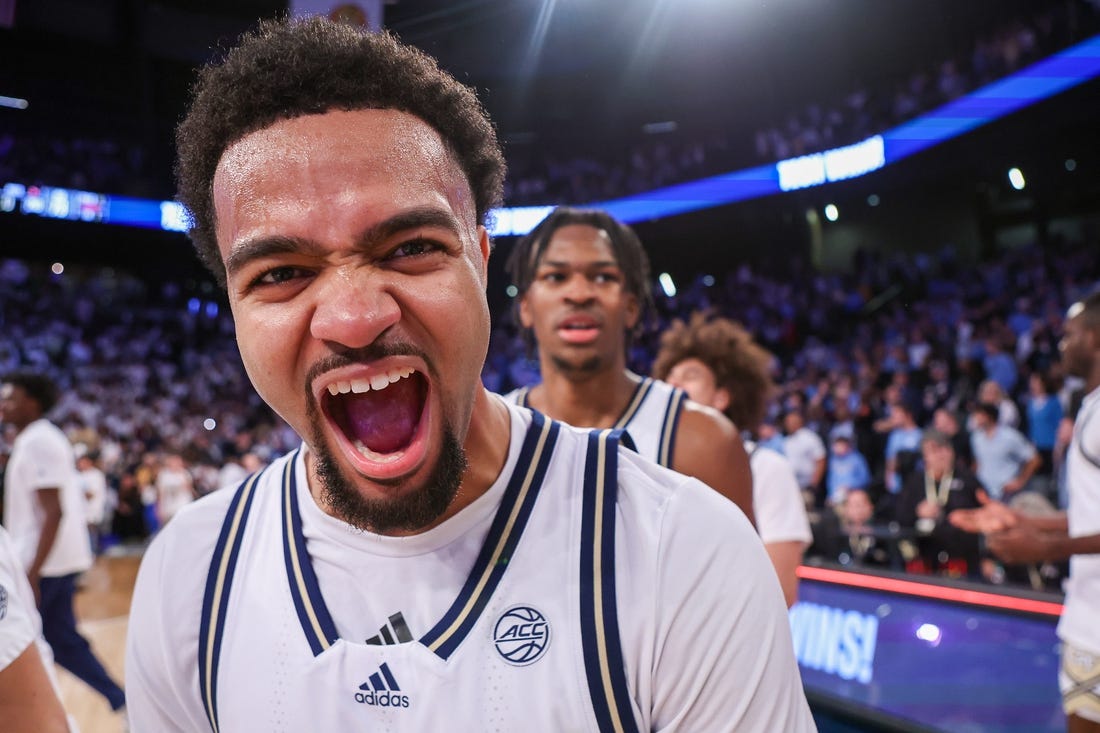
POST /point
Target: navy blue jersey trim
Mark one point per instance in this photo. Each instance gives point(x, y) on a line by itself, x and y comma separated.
point(667, 446)
point(604, 666)
point(313, 614)
point(635, 403)
point(215, 602)
point(500, 543)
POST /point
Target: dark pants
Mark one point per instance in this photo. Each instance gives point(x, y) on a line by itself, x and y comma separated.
point(70, 649)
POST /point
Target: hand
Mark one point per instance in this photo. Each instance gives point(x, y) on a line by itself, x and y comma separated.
point(928, 510)
point(1014, 485)
point(992, 516)
point(1020, 544)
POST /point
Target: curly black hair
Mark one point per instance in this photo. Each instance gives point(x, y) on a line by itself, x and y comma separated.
point(740, 365)
point(630, 256)
point(39, 387)
point(294, 67)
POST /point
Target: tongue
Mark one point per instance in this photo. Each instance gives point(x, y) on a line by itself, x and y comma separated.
point(385, 420)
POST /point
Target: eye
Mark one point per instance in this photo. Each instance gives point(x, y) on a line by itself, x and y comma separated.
point(606, 277)
point(552, 277)
point(279, 275)
point(416, 248)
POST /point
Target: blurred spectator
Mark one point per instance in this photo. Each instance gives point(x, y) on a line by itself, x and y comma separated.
point(902, 445)
point(847, 471)
point(93, 485)
point(941, 485)
point(806, 452)
point(1044, 413)
point(175, 488)
point(1005, 461)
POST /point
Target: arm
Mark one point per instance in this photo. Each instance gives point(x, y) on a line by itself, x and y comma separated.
point(786, 557)
point(28, 702)
point(780, 517)
point(720, 617)
point(1030, 541)
point(1025, 474)
point(819, 472)
point(709, 448)
point(49, 501)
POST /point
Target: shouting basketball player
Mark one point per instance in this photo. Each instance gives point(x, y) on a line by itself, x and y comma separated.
point(430, 558)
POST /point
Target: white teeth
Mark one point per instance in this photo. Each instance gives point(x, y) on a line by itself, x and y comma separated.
point(376, 457)
point(377, 382)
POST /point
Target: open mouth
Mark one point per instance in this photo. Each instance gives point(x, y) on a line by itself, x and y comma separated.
point(579, 329)
point(379, 415)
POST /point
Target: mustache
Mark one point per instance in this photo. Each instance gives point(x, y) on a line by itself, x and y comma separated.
point(363, 355)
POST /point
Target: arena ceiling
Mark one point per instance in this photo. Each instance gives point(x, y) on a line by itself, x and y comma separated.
point(581, 69)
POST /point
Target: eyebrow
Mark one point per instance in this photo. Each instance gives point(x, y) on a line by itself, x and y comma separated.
point(266, 246)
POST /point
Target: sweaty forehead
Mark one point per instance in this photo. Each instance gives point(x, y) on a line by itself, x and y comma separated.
point(325, 154)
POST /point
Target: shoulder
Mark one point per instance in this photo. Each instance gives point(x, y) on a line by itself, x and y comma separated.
point(673, 499)
point(187, 543)
point(701, 422)
point(767, 462)
point(43, 434)
point(514, 397)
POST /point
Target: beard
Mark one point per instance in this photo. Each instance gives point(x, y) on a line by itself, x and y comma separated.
point(413, 510)
point(581, 369)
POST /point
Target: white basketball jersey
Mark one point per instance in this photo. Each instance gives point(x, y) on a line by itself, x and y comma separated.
point(587, 590)
point(509, 634)
point(1078, 624)
point(650, 418)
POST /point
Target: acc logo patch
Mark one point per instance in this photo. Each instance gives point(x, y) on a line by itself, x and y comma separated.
point(3, 602)
point(521, 635)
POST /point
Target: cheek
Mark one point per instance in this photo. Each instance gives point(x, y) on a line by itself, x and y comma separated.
point(268, 342)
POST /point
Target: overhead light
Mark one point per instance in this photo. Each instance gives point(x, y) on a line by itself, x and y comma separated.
point(832, 213)
point(13, 102)
point(1016, 178)
point(1071, 165)
point(666, 284)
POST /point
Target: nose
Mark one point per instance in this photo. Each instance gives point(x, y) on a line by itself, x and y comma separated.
point(353, 308)
point(579, 290)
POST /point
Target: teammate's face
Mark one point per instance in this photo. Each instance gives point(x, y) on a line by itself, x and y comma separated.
point(17, 407)
point(356, 273)
point(1078, 344)
point(697, 379)
point(577, 304)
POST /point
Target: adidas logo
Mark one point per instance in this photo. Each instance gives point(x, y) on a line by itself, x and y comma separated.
point(395, 632)
point(379, 690)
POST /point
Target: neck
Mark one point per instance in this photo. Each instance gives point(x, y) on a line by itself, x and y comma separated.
point(21, 426)
point(1092, 380)
point(486, 444)
point(595, 401)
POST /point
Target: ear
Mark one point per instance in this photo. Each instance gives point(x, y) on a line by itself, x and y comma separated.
point(525, 317)
point(485, 246)
point(633, 311)
point(721, 400)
